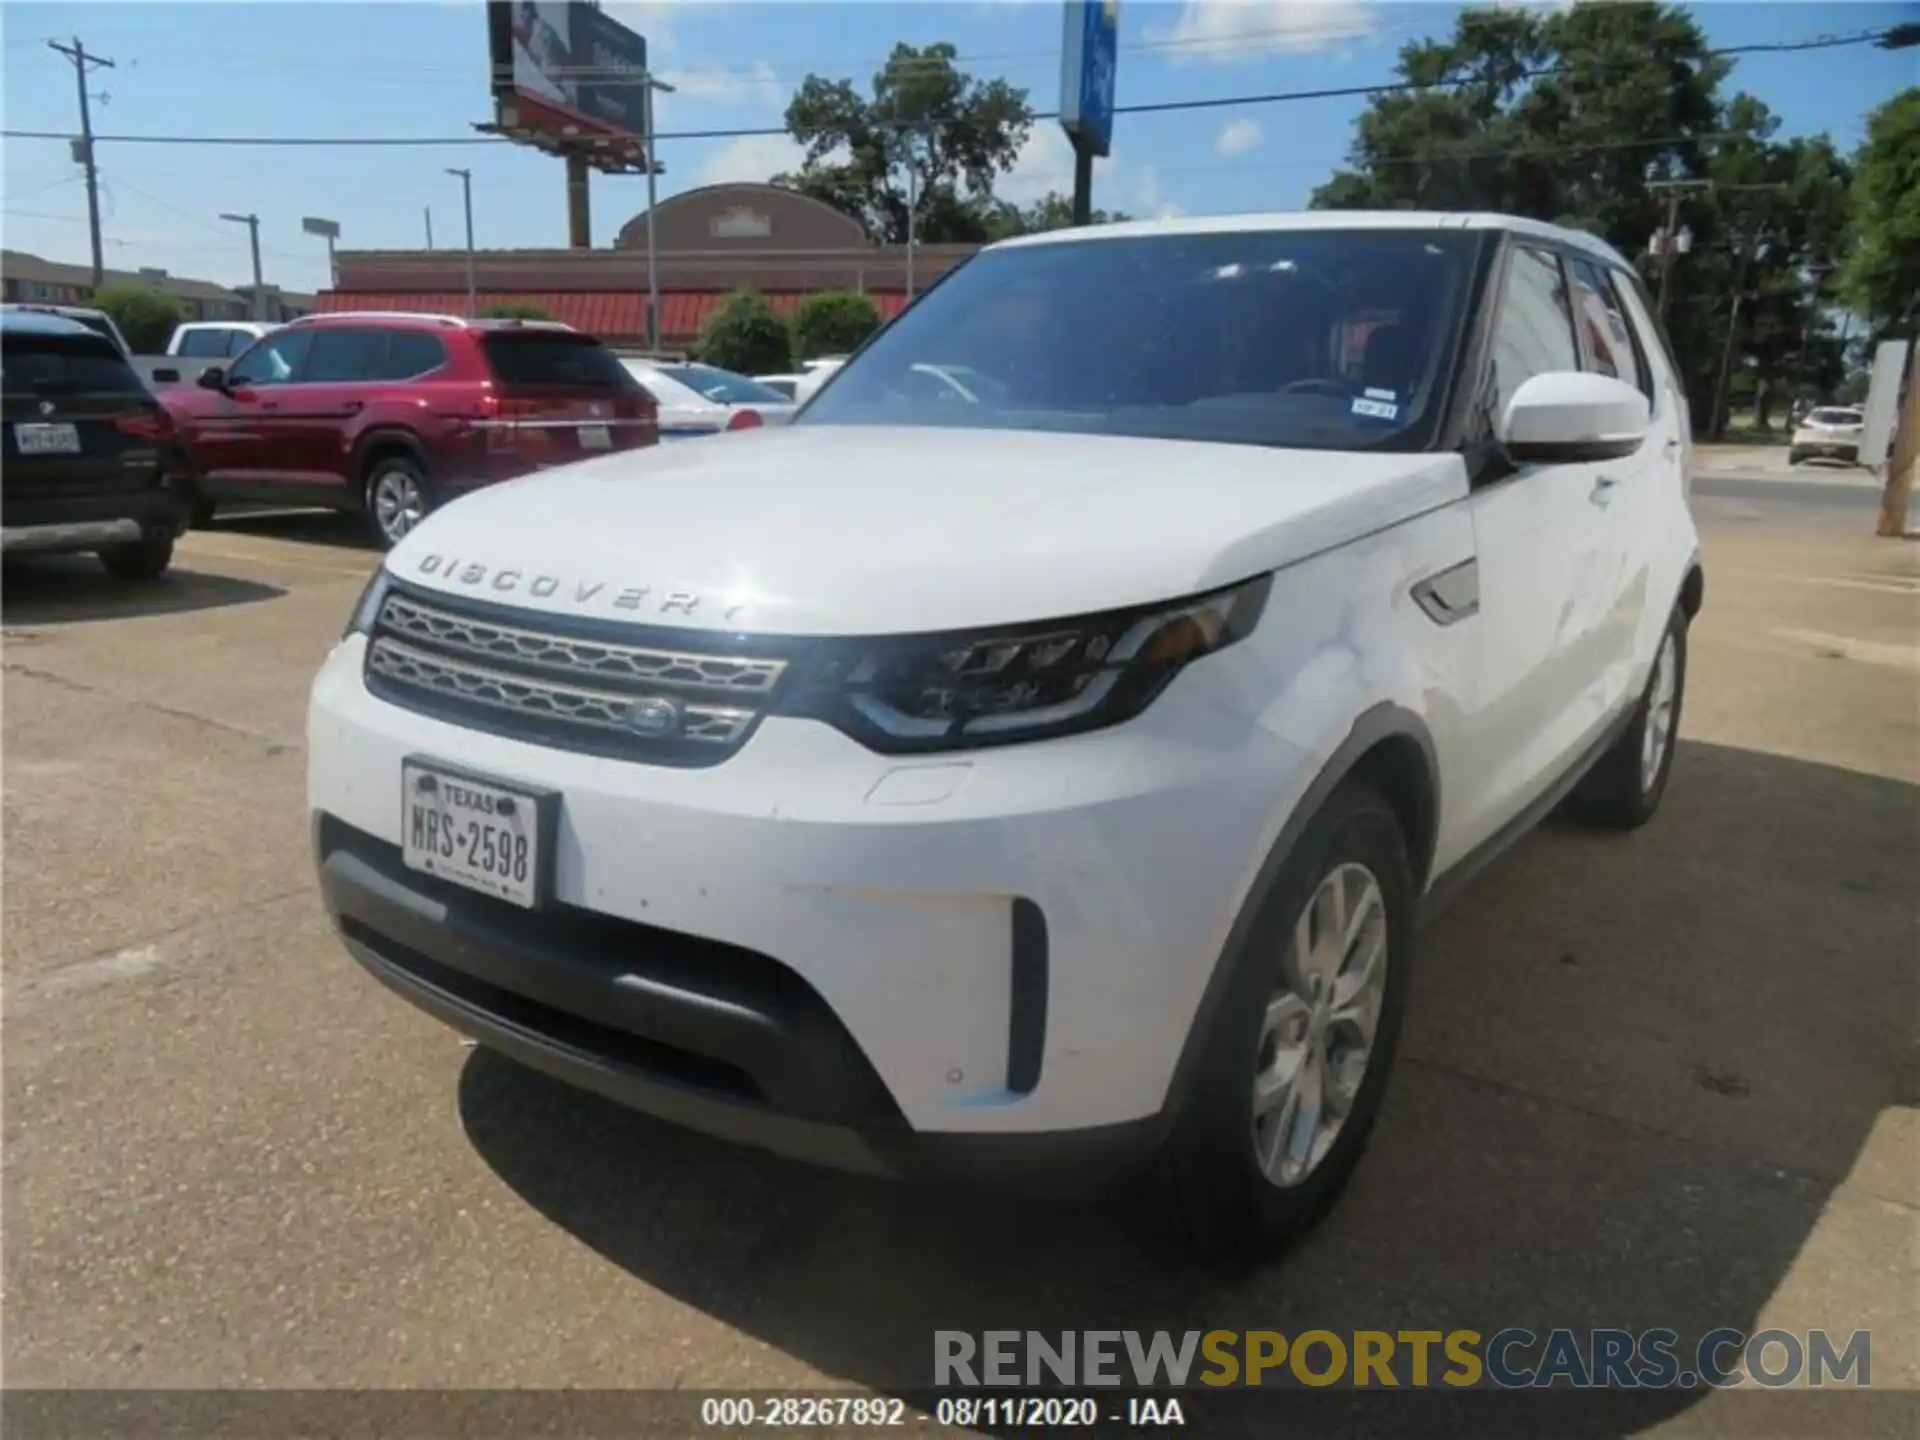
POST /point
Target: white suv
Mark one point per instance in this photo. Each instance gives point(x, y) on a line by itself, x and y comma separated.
point(1028, 786)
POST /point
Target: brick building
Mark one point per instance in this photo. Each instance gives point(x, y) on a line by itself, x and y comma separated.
point(28, 279)
point(709, 242)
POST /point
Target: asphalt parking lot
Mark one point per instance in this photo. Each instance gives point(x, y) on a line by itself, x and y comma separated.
point(1661, 1080)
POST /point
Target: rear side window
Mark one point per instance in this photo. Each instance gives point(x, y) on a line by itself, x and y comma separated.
point(66, 365)
point(344, 356)
point(546, 358)
point(723, 387)
point(1534, 332)
point(206, 344)
point(410, 353)
point(1604, 333)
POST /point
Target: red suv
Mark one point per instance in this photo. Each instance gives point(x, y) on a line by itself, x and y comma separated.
point(390, 414)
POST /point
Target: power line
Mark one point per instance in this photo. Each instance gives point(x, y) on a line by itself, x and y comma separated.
point(1826, 42)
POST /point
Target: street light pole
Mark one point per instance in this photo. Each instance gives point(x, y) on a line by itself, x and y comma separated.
point(252, 222)
point(652, 84)
point(328, 230)
point(466, 195)
point(913, 209)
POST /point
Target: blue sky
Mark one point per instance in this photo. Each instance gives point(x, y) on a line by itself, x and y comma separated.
point(276, 67)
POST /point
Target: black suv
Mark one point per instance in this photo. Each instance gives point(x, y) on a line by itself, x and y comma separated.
point(89, 453)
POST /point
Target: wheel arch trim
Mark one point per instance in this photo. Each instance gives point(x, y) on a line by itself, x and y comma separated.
point(1381, 725)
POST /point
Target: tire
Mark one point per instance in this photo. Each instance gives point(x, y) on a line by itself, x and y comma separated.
point(201, 511)
point(144, 559)
point(1230, 1204)
point(1794, 457)
point(390, 514)
point(1623, 789)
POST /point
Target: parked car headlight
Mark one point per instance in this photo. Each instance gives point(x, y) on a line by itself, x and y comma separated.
point(962, 690)
point(367, 608)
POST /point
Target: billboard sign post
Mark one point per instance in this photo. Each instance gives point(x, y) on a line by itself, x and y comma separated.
point(1089, 55)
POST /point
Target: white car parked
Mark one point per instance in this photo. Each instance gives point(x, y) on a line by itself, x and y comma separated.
point(1023, 789)
point(1831, 432)
point(799, 385)
point(699, 399)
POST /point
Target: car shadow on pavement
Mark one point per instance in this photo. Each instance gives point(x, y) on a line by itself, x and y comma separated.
point(1636, 1068)
point(308, 527)
point(64, 589)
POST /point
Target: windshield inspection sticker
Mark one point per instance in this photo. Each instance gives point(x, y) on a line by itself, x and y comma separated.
point(1373, 393)
point(1377, 409)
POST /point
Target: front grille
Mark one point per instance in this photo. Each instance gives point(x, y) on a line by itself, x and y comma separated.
point(526, 677)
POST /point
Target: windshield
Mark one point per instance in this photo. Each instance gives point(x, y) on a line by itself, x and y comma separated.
point(723, 387)
point(1317, 339)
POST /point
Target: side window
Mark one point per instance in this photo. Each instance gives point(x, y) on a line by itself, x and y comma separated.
point(273, 361)
point(1656, 356)
point(205, 345)
point(341, 357)
point(410, 353)
point(1533, 334)
point(1604, 334)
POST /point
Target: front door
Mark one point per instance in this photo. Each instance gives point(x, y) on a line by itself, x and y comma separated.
point(232, 432)
point(1540, 534)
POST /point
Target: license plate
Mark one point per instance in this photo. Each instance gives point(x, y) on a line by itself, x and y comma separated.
point(595, 437)
point(484, 836)
point(37, 439)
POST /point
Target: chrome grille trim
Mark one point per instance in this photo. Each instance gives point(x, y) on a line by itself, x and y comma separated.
point(541, 699)
point(750, 678)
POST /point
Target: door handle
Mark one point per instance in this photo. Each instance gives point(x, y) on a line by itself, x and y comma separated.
point(269, 404)
point(1603, 488)
point(353, 407)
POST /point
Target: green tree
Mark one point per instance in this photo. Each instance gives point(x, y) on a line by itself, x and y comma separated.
point(1567, 116)
point(1881, 277)
point(746, 336)
point(515, 312)
point(832, 322)
point(955, 135)
point(145, 317)
point(1053, 211)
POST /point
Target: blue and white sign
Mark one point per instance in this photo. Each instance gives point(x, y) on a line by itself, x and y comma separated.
point(1089, 55)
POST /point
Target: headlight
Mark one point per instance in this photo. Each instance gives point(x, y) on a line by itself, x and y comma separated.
point(367, 608)
point(960, 690)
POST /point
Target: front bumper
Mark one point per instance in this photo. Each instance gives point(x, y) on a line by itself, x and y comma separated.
point(974, 963)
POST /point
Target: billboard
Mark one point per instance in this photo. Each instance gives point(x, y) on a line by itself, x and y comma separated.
point(1089, 52)
point(567, 71)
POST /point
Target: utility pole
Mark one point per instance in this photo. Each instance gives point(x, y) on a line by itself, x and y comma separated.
point(252, 222)
point(913, 207)
point(653, 170)
point(1668, 238)
point(427, 210)
point(82, 62)
point(466, 192)
point(1750, 250)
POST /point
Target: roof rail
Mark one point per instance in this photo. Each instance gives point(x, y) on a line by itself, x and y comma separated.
point(453, 320)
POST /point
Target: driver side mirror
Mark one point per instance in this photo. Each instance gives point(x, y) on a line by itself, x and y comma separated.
point(213, 378)
point(1568, 417)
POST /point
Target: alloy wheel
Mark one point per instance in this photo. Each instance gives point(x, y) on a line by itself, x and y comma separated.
point(1318, 1033)
point(398, 504)
point(1659, 727)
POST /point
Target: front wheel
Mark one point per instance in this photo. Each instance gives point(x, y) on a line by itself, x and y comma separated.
point(1623, 789)
point(1297, 1061)
point(144, 559)
point(398, 498)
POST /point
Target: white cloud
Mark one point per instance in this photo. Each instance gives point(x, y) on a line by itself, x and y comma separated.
point(1224, 31)
point(751, 159)
point(1044, 165)
point(1238, 137)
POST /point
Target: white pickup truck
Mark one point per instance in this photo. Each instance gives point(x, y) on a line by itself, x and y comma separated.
point(194, 344)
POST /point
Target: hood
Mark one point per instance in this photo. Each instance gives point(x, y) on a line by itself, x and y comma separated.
point(855, 530)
